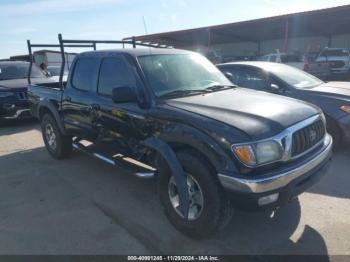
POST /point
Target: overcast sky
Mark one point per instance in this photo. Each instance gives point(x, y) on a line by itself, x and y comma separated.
point(42, 20)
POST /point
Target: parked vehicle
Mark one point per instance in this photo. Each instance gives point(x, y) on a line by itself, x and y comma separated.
point(319, 69)
point(338, 59)
point(172, 115)
point(332, 97)
point(13, 88)
point(53, 59)
point(294, 60)
point(56, 71)
point(306, 62)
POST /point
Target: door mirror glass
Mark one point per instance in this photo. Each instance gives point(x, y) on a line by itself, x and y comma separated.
point(123, 94)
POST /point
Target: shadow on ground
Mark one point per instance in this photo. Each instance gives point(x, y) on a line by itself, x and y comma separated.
point(83, 206)
point(9, 127)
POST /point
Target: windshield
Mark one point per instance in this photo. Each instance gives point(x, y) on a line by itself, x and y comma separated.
point(293, 76)
point(17, 71)
point(174, 73)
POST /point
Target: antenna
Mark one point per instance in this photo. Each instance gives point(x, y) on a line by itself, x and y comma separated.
point(144, 25)
point(146, 31)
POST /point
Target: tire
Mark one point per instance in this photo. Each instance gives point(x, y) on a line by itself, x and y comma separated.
point(216, 210)
point(335, 132)
point(58, 145)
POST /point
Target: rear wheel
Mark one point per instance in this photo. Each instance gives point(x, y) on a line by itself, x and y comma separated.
point(209, 209)
point(58, 145)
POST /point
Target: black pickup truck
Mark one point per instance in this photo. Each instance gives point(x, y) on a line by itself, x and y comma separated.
point(172, 115)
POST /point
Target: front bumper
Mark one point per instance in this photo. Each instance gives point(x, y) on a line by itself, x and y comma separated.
point(245, 192)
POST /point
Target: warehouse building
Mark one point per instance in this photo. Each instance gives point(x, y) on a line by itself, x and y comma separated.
point(299, 33)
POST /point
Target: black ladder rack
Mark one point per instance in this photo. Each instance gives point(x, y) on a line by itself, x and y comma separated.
point(80, 44)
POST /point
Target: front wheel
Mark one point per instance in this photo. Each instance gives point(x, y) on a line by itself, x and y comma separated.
point(209, 209)
point(58, 145)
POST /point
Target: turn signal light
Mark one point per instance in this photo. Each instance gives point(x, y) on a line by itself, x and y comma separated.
point(245, 154)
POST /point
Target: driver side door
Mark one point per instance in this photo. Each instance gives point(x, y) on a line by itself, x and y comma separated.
point(125, 121)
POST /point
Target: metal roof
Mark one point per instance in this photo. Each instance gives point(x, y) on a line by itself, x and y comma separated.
point(323, 22)
point(137, 51)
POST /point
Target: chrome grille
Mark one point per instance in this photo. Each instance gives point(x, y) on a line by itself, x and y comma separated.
point(307, 137)
point(337, 64)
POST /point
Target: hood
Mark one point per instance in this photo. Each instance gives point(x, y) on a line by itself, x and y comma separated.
point(23, 82)
point(258, 114)
point(333, 89)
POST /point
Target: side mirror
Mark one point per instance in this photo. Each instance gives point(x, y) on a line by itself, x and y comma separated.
point(275, 89)
point(123, 94)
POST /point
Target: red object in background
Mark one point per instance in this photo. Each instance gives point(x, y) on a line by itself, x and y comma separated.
point(306, 64)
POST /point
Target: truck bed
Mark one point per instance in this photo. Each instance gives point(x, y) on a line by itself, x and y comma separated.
point(50, 92)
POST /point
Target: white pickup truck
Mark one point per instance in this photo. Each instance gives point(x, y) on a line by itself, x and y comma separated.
point(338, 60)
point(307, 63)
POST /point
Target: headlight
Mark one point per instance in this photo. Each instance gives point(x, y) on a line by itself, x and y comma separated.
point(345, 109)
point(259, 153)
point(5, 94)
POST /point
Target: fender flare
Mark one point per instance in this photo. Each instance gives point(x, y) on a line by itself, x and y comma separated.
point(53, 110)
point(201, 142)
point(175, 167)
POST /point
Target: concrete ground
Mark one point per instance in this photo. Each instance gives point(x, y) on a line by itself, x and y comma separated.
point(84, 206)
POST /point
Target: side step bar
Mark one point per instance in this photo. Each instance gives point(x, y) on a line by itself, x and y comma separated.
point(137, 168)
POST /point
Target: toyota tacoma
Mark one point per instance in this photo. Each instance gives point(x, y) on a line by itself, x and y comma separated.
point(172, 115)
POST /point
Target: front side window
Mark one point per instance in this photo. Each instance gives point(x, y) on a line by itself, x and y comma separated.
point(85, 74)
point(114, 73)
point(248, 77)
point(171, 73)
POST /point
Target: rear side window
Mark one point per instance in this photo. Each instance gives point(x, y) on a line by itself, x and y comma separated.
point(85, 74)
point(114, 72)
point(248, 77)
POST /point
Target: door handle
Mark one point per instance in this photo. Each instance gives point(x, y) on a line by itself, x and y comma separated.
point(68, 99)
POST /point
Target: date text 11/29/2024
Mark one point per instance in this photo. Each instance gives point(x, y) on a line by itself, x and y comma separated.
point(173, 258)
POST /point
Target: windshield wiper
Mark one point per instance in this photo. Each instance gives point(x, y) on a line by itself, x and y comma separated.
point(219, 87)
point(184, 92)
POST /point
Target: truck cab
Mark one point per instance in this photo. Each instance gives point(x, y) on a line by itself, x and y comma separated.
point(211, 146)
